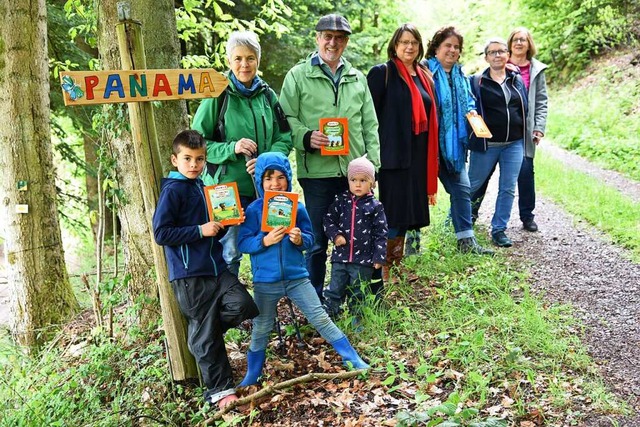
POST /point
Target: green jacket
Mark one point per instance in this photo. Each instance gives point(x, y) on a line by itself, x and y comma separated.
point(308, 95)
point(244, 117)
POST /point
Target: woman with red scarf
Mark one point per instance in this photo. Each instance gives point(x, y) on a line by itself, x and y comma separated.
point(404, 98)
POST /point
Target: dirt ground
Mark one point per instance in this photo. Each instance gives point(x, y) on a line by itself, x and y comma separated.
point(570, 262)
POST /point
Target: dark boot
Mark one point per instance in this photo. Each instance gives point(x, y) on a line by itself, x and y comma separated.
point(255, 363)
point(349, 355)
point(471, 245)
point(395, 252)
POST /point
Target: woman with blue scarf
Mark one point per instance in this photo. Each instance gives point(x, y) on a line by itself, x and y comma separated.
point(240, 124)
point(454, 102)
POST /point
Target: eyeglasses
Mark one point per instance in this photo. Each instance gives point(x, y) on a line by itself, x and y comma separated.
point(407, 43)
point(519, 40)
point(497, 52)
point(339, 38)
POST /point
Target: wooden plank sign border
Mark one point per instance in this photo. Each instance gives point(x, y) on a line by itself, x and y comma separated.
point(105, 87)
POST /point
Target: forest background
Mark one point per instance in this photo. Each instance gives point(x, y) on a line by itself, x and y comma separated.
point(90, 146)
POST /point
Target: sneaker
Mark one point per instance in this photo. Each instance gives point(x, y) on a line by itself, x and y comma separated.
point(471, 245)
point(530, 225)
point(501, 239)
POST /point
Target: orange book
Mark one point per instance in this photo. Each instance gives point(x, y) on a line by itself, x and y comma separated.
point(479, 126)
point(223, 201)
point(337, 129)
point(279, 208)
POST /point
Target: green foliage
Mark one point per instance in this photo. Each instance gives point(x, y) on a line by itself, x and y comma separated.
point(598, 117)
point(204, 26)
point(572, 32)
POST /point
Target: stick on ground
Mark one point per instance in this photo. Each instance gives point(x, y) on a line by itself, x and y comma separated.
point(279, 386)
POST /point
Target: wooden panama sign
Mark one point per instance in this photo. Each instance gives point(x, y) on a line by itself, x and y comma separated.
point(105, 87)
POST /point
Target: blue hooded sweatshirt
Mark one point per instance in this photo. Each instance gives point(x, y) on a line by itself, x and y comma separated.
point(284, 260)
point(181, 210)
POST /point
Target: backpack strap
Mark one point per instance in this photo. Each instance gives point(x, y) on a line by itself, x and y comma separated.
point(215, 170)
point(281, 117)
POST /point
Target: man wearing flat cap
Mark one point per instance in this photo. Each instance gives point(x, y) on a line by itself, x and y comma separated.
point(325, 85)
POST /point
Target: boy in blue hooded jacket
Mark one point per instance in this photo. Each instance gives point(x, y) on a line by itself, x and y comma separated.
point(279, 270)
point(210, 297)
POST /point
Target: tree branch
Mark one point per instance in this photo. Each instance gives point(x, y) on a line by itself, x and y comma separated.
point(313, 376)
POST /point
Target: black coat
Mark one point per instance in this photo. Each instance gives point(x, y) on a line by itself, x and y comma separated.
point(392, 100)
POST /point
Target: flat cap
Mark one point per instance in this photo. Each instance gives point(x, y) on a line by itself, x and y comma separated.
point(333, 22)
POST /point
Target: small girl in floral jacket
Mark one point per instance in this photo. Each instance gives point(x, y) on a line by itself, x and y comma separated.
point(357, 226)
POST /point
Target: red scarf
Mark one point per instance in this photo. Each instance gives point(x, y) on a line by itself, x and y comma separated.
point(420, 124)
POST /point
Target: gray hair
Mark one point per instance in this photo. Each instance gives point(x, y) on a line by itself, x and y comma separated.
point(244, 38)
point(495, 40)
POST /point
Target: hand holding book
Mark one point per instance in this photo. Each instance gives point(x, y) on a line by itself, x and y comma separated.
point(479, 126)
point(274, 236)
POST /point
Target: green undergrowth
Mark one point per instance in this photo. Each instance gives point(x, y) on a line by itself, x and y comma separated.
point(101, 384)
point(586, 197)
point(599, 116)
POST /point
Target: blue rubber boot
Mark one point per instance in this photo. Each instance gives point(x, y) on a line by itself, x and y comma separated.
point(349, 355)
point(255, 362)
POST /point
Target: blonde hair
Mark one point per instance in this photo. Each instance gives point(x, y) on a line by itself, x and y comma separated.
point(532, 46)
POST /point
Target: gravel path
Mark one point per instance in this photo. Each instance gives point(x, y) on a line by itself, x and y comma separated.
point(570, 262)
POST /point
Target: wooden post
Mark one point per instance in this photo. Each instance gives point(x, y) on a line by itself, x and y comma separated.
point(145, 141)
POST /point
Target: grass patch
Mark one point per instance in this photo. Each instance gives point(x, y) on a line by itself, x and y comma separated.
point(599, 116)
point(586, 197)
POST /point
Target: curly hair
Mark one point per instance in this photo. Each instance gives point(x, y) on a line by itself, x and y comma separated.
point(440, 36)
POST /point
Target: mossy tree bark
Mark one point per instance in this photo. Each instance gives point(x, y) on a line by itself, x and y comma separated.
point(41, 294)
point(162, 50)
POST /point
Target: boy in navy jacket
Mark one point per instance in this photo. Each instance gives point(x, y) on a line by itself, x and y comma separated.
point(357, 226)
point(279, 270)
point(211, 298)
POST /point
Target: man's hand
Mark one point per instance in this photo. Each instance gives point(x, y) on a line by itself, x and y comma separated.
point(274, 236)
point(251, 166)
point(211, 229)
point(318, 139)
point(246, 146)
point(340, 240)
point(295, 235)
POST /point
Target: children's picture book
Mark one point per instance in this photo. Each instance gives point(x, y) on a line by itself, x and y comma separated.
point(479, 126)
point(337, 130)
point(224, 205)
point(280, 208)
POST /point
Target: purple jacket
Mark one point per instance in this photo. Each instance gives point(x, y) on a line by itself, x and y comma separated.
point(362, 222)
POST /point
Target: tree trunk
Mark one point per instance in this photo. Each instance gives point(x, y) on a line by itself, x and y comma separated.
point(147, 169)
point(41, 294)
point(162, 48)
point(136, 234)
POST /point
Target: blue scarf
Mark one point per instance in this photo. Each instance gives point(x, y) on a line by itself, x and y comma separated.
point(452, 108)
point(248, 92)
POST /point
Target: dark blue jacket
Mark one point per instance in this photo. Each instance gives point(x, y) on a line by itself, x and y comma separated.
point(284, 260)
point(506, 121)
point(362, 222)
point(176, 226)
